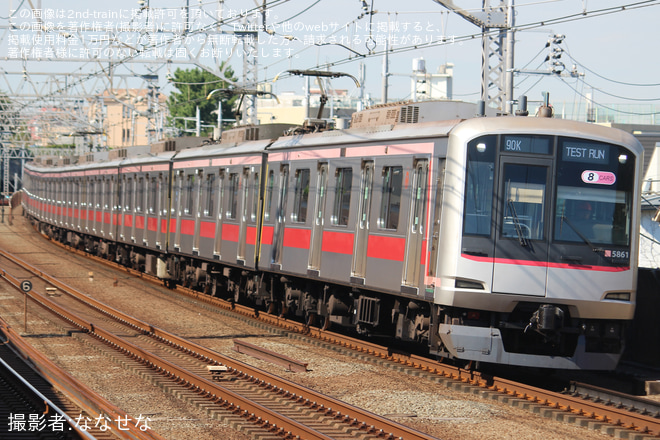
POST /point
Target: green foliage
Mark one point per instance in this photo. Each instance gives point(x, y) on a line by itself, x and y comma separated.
point(193, 86)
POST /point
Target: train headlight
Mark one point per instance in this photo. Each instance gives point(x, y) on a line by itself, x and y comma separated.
point(467, 284)
point(618, 296)
point(623, 158)
point(481, 147)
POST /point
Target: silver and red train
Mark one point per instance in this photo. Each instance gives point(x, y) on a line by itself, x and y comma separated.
point(509, 240)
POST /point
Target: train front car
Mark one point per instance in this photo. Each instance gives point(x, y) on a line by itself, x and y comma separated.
point(539, 241)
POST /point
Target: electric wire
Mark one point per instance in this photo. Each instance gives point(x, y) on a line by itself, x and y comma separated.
point(532, 25)
point(607, 107)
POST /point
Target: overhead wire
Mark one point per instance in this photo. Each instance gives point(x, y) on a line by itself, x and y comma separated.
point(532, 25)
point(605, 106)
point(608, 79)
point(528, 26)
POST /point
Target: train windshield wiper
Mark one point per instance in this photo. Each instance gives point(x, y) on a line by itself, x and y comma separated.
point(516, 223)
point(588, 242)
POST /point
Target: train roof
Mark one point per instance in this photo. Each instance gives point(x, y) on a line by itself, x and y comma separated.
point(382, 133)
point(245, 148)
point(548, 126)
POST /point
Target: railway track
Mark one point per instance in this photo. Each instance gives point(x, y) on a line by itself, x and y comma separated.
point(42, 401)
point(30, 405)
point(272, 405)
point(616, 399)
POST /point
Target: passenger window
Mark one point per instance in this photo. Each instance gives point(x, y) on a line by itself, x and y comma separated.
point(342, 204)
point(391, 198)
point(176, 197)
point(151, 196)
point(140, 195)
point(188, 195)
point(269, 194)
point(299, 213)
point(129, 194)
point(233, 196)
point(163, 190)
point(209, 195)
point(255, 198)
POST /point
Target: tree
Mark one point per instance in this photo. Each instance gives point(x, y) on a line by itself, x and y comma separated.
point(193, 86)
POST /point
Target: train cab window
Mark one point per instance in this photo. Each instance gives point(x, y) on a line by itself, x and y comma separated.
point(479, 185)
point(232, 205)
point(391, 198)
point(595, 188)
point(524, 201)
point(299, 214)
point(209, 195)
point(268, 197)
point(342, 203)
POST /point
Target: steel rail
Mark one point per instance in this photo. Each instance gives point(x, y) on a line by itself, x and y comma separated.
point(81, 395)
point(50, 405)
point(340, 410)
point(269, 356)
point(638, 404)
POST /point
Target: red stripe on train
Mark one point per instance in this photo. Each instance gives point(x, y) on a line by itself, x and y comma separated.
point(207, 229)
point(337, 242)
point(544, 264)
point(188, 227)
point(267, 235)
point(297, 238)
point(251, 236)
point(152, 224)
point(386, 248)
point(230, 232)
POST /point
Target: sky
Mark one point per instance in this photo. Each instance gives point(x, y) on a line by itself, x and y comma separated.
point(612, 43)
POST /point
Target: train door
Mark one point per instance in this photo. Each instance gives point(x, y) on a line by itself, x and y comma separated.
point(138, 210)
point(219, 216)
point(149, 209)
point(243, 218)
point(521, 237)
point(162, 211)
point(280, 217)
point(114, 199)
point(101, 190)
point(437, 211)
point(93, 194)
point(176, 208)
point(359, 269)
point(417, 225)
point(314, 263)
point(197, 211)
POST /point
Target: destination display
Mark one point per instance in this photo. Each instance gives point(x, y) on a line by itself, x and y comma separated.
point(585, 152)
point(526, 144)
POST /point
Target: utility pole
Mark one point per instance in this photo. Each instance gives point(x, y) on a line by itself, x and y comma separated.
point(497, 41)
